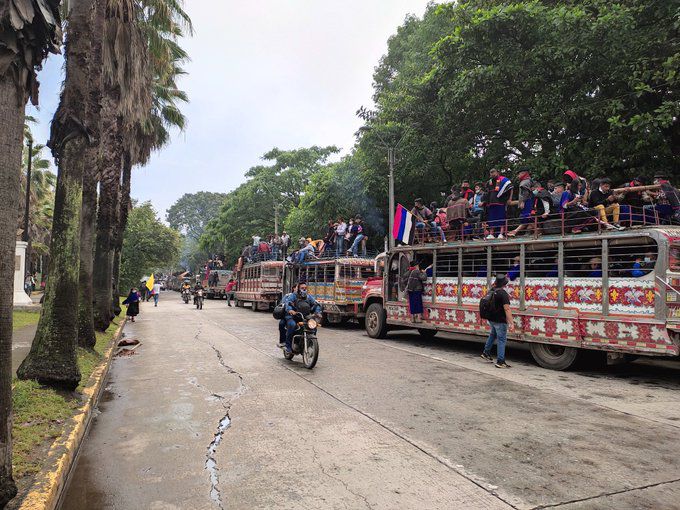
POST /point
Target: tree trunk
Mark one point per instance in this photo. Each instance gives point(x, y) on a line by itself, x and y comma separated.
point(11, 134)
point(109, 199)
point(52, 359)
point(120, 228)
point(86, 333)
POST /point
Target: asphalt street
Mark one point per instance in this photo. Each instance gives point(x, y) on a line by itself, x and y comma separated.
point(208, 414)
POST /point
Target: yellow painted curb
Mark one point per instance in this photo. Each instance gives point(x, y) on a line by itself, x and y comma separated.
point(50, 482)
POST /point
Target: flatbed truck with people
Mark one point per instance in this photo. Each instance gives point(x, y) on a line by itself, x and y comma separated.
point(612, 292)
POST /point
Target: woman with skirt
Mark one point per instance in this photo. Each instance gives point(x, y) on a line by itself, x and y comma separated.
point(414, 286)
point(132, 302)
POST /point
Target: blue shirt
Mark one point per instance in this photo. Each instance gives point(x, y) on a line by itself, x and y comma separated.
point(595, 273)
point(513, 274)
point(637, 270)
point(290, 300)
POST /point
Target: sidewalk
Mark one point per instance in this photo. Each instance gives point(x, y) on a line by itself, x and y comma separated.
point(21, 345)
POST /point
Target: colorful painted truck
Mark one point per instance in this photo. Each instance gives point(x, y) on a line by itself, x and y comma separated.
point(617, 292)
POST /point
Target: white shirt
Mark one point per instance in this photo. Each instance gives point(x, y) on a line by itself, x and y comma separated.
point(341, 229)
point(156, 288)
point(256, 240)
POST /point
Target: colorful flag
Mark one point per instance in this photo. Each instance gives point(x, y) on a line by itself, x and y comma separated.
point(404, 228)
point(149, 282)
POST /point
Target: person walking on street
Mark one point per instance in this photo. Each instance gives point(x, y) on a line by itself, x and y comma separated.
point(415, 278)
point(156, 293)
point(229, 290)
point(132, 302)
point(500, 321)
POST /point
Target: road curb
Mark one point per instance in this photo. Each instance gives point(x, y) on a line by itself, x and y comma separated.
point(49, 484)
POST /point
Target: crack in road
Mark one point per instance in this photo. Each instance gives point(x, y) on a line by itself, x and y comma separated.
point(222, 426)
point(338, 479)
point(457, 469)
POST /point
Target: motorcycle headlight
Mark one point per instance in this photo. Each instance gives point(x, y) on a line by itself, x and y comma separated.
point(311, 324)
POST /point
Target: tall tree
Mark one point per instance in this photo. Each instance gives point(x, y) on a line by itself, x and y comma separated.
point(52, 359)
point(192, 212)
point(29, 30)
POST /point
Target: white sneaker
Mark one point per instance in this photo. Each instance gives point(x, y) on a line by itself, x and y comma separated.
point(490, 236)
point(500, 236)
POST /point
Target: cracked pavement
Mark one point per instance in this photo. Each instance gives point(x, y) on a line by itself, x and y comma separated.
point(209, 415)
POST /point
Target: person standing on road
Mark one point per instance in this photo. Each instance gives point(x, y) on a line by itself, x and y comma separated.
point(500, 321)
point(132, 302)
point(156, 293)
point(415, 278)
point(229, 290)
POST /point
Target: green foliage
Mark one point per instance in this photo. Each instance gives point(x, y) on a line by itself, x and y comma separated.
point(192, 212)
point(249, 209)
point(591, 85)
point(148, 245)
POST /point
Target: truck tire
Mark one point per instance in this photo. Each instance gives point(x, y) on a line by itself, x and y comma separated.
point(554, 357)
point(376, 321)
point(254, 306)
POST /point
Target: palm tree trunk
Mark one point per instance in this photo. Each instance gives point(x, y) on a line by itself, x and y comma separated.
point(86, 333)
point(52, 359)
point(109, 198)
point(123, 213)
point(12, 122)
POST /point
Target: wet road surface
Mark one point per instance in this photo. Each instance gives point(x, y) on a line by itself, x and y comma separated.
point(208, 414)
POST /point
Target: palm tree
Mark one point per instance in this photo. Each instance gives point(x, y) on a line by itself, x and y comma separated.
point(29, 31)
point(131, 140)
point(52, 359)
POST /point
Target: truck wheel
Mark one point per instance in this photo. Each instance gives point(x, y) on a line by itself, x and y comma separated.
point(254, 306)
point(376, 321)
point(554, 357)
point(427, 333)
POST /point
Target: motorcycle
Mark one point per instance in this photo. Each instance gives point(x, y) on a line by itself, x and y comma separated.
point(305, 341)
point(186, 293)
point(198, 299)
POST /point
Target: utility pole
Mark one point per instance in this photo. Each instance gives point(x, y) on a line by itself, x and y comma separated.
point(276, 219)
point(391, 158)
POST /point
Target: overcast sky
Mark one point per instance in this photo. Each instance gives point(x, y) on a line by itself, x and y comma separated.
point(264, 73)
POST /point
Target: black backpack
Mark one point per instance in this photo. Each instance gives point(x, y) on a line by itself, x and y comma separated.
point(487, 305)
point(279, 311)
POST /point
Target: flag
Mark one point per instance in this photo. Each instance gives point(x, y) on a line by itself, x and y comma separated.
point(149, 283)
point(404, 227)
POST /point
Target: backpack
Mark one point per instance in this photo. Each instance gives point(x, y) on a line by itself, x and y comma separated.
point(487, 305)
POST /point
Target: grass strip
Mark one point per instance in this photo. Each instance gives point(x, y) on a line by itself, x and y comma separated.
point(40, 412)
point(23, 319)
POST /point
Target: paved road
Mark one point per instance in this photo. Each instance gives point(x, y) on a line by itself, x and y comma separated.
point(209, 415)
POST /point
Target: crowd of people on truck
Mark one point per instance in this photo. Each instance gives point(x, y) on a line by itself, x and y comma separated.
point(574, 205)
point(340, 239)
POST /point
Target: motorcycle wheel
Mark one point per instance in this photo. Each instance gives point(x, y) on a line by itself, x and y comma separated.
point(310, 352)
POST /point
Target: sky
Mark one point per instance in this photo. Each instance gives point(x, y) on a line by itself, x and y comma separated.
point(263, 74)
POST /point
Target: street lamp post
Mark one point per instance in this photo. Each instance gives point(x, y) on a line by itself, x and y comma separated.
point(28, 188)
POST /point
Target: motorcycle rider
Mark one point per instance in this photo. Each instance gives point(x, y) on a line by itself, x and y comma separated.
point(282, 322)
point(291, 306)
point(186, 287)
point(197, 287)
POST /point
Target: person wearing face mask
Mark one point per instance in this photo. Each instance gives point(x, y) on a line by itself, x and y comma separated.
point(643, 265)
point(291, 306)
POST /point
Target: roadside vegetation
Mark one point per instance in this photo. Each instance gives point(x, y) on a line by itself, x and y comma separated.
point(41, 412)
point(22, 319)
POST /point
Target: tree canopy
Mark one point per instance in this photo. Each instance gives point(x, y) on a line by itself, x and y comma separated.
point(192, 212)
point(148, 245)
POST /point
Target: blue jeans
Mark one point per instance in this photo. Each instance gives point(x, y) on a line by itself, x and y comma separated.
point(155, 300)
point(499, 332)
point(275, 252)
point(355, 245)
point(340, 246)
point(282, 331)
point(291, 328)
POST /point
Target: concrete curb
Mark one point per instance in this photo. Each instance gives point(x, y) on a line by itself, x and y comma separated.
point(50, 482)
